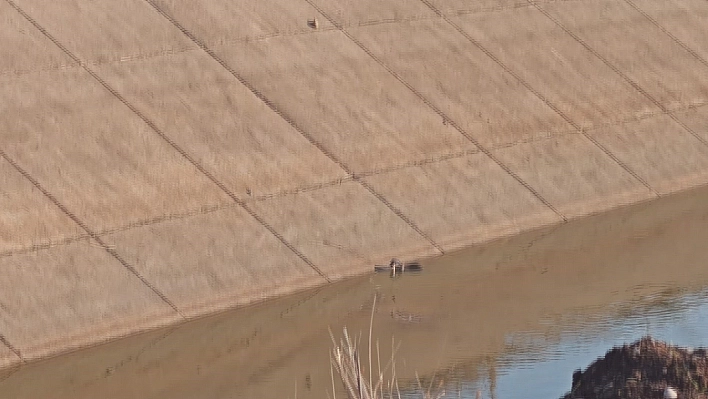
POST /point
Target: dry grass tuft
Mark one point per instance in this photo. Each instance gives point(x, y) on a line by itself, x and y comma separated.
point(346, 360)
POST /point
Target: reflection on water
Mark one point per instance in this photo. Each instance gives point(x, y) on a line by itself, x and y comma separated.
point(512, 319)
point(536, 367)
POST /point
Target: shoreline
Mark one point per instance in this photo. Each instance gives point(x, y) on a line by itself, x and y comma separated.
point(505, 269)
point(87, 340)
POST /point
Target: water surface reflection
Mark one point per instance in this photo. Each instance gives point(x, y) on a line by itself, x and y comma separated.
point(537, 366)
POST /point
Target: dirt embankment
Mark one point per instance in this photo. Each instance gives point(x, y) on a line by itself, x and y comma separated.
point(644, 370)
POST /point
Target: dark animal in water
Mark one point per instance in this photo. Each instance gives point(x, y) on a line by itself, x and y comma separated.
point(396, 266)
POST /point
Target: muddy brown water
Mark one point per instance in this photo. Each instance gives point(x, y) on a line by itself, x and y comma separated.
point(511, 319)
